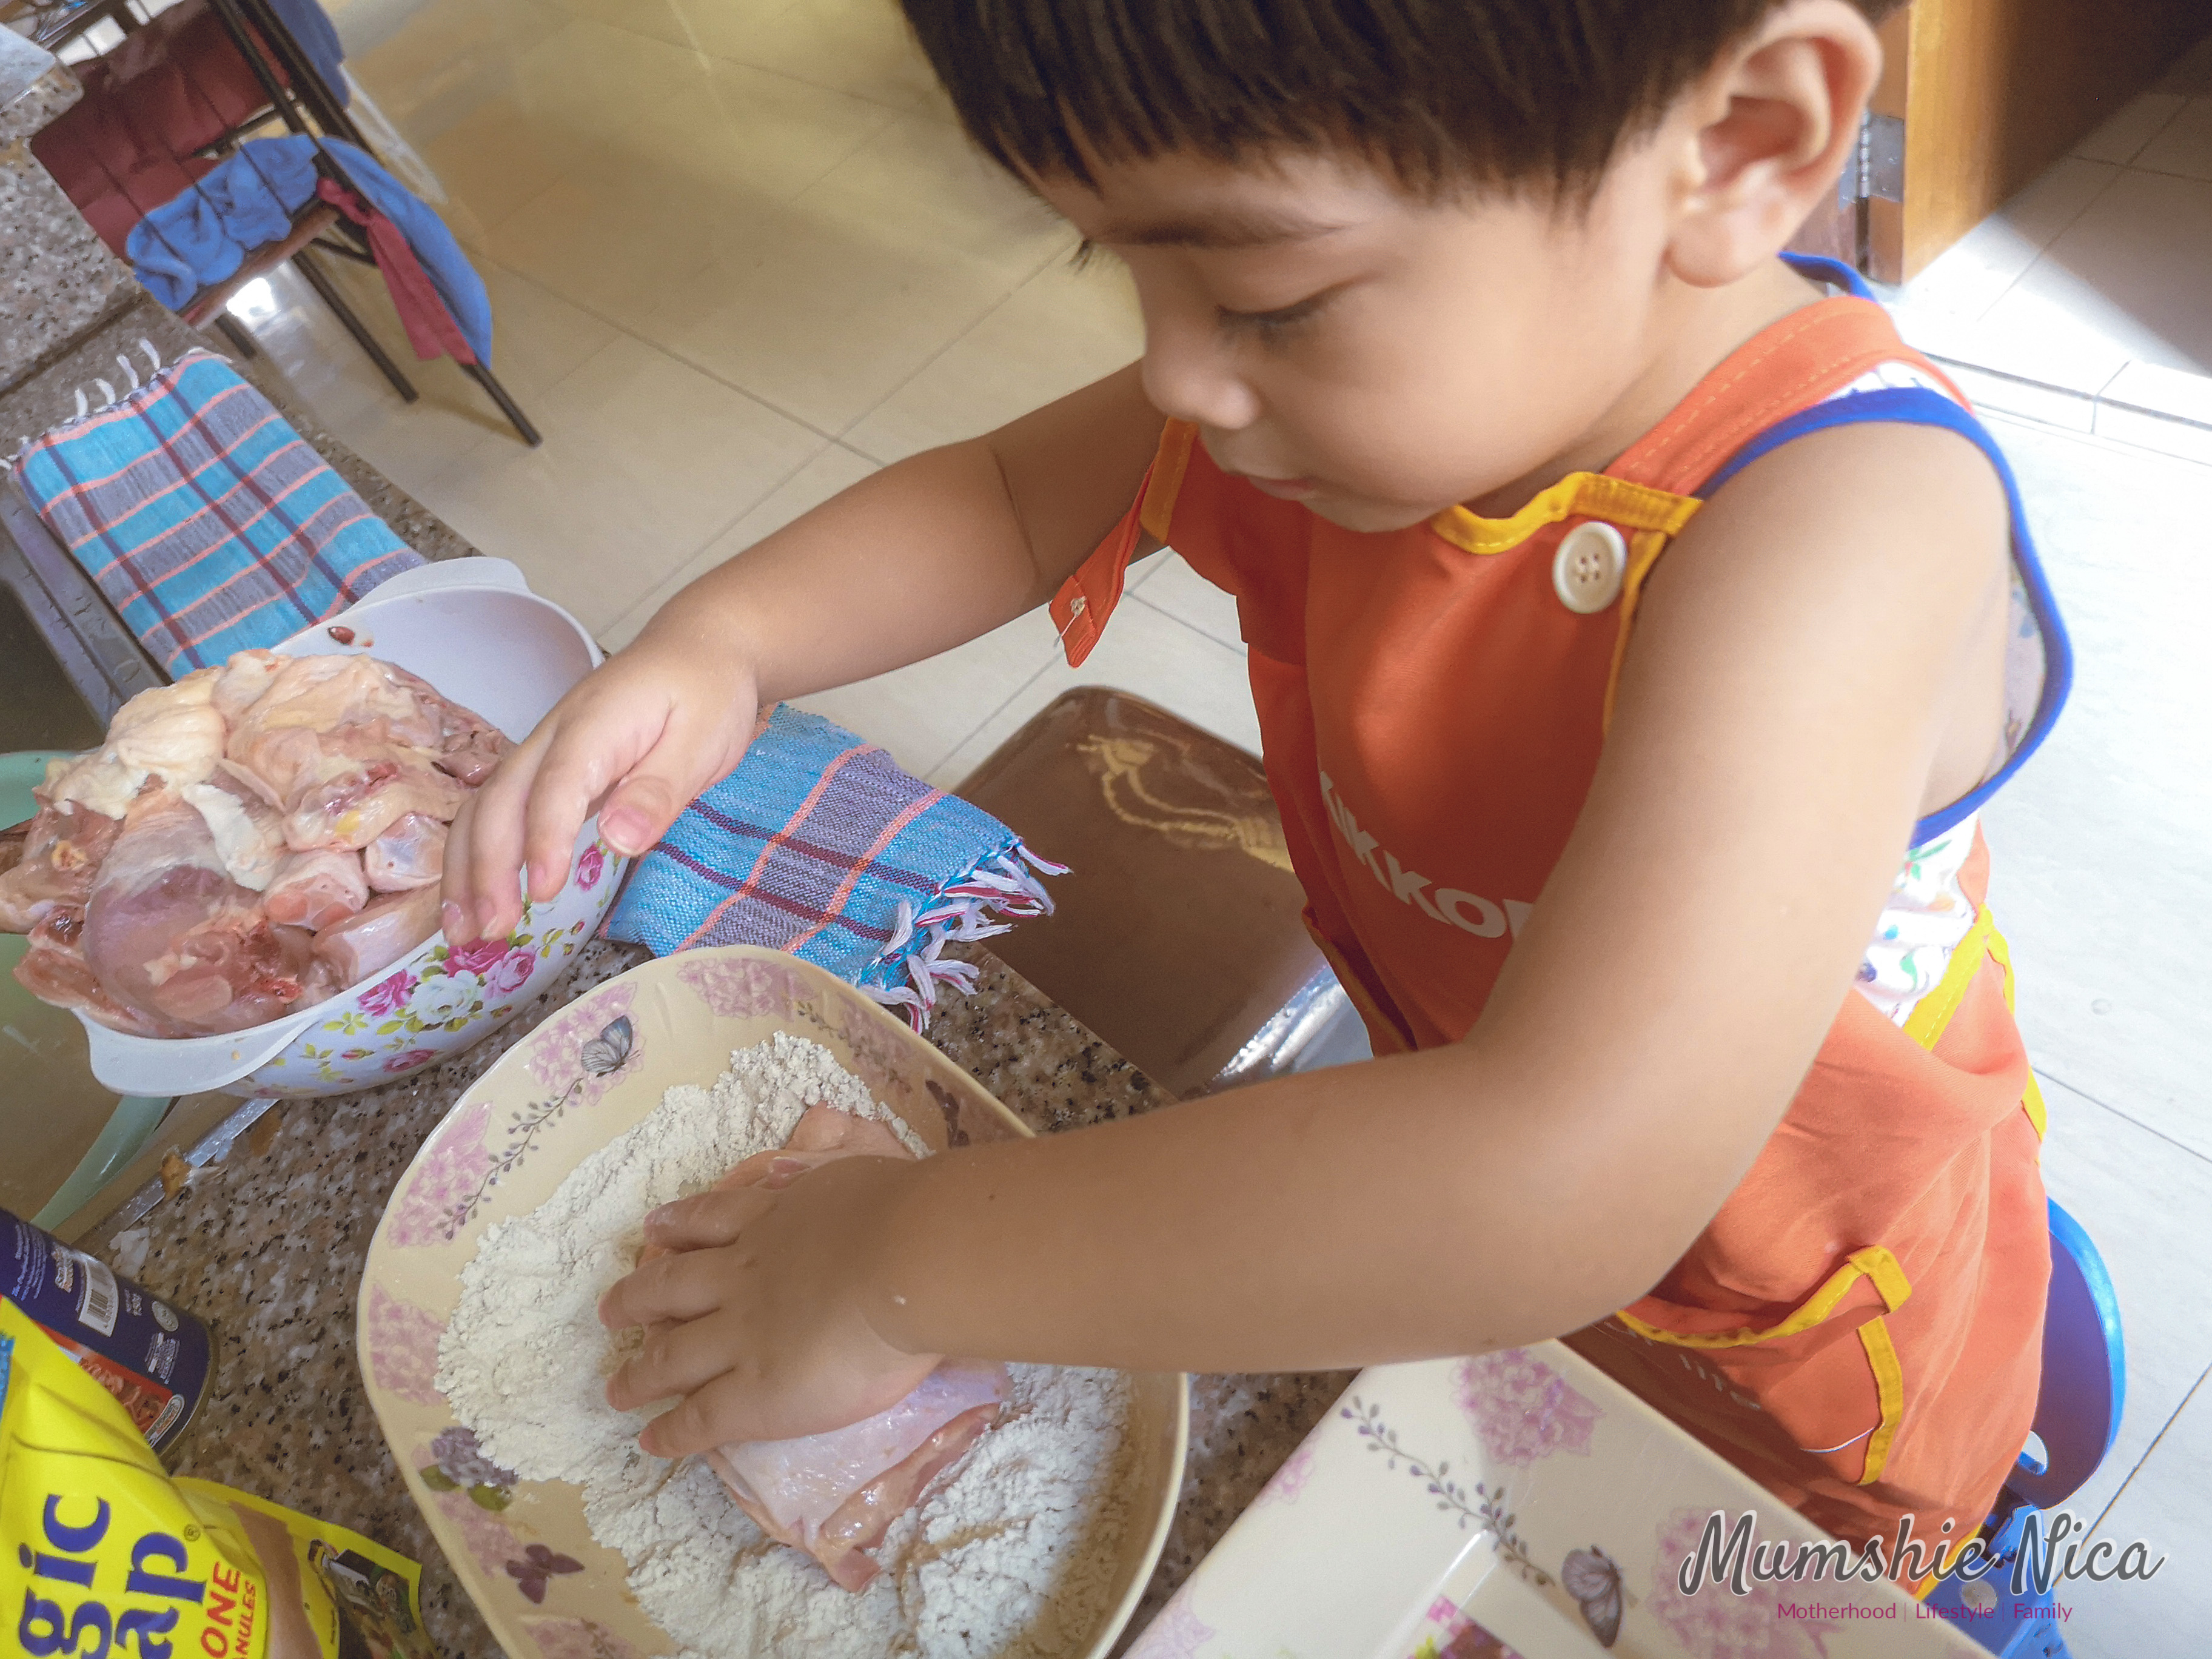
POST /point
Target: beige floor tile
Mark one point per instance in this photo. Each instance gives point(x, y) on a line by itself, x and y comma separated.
point(698, 174)
point(859, 46)
point(2168, 1616)
point(1062, 329)
point(841, 297)
point(1145, 651)
point(646, 460)
point(834, 469)
point(2125, 277)
point(495, 158)
point(707, 26)
point(1183, 594)
point(922, 714)
point(1972, 274)
point(2141, 1199)
point(2098, 878)
point(2134, 124)
point(537, 339)
point(2184, 145)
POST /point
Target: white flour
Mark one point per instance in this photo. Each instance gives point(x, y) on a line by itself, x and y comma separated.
point(1008, 1558)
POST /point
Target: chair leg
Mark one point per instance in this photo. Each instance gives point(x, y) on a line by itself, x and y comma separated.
point(240, 337)
point(485, 377)
point(320, 281)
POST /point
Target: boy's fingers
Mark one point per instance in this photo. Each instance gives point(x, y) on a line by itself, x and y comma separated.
point(675, 1359)
point(681, 1285)
point(561, 797)
point(711, 1417)
point(487, 897)
point(706, 1219)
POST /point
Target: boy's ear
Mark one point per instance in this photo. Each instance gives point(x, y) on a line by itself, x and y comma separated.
point(1762, 136)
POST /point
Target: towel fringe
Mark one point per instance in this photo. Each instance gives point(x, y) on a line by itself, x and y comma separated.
point(984, 904)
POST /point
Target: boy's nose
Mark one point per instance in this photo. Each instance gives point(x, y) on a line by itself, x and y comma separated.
point(1188, 378)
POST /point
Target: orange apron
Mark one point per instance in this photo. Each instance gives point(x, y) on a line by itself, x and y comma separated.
point(1859, 1329)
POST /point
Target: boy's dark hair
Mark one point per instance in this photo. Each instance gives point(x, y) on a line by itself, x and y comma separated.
point(1497, 92)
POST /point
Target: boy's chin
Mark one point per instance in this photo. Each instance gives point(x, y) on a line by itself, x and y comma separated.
point(1365, 517)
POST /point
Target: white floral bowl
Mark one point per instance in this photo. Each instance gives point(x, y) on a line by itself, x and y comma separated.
point(472, 628)
point(522, 1548)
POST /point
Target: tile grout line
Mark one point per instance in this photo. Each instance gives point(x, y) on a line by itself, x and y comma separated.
point(989, 312)
point(668, 352)
point(2044, 247)
point(2178, 1145)
point(2112, 1502)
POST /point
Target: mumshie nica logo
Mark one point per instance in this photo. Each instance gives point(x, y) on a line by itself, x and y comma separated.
point(1733, 1558)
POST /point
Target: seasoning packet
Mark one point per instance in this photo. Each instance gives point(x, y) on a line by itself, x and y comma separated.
point(113, 1556)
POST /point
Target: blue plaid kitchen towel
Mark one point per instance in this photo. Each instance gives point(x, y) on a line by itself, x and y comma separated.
point(819, 845)
point(208, 523)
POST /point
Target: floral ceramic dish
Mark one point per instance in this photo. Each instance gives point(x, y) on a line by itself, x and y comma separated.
point(1519, 1503)
point(548, 1590)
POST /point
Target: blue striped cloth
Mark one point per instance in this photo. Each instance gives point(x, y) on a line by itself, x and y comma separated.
point(819, 845)
point(208, 522)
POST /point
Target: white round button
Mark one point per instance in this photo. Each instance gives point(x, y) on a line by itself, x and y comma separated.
point(1587, 569)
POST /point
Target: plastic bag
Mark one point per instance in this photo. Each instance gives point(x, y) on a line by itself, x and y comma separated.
point(108, 1555)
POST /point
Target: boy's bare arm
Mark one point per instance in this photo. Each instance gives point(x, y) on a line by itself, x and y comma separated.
point(926, 555)
point(1782, 721)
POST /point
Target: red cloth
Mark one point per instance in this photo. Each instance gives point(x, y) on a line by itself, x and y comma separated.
point(430, 328)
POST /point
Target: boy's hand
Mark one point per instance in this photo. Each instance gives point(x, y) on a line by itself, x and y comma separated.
point(639, 738)
point(757, 1319)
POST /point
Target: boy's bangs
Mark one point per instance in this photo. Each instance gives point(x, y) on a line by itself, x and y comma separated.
point(1442, 91)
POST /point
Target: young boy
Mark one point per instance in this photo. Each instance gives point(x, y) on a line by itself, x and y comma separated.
point(1458, 318)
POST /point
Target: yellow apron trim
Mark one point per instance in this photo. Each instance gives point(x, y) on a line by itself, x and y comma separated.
point(1931, 1016)
point(1619, 502)
point(1157, 512)
point(1644, 550)
point(1875, 1263)
point(1889, 1390)
point(2031, 1101)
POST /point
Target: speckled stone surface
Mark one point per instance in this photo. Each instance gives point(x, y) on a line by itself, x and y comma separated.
point(268, 1246)
point(57, 276)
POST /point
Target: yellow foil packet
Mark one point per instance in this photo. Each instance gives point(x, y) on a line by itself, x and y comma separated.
point(107, 1555)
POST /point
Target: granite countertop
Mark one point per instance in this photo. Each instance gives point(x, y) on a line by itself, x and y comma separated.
point(268, 1246)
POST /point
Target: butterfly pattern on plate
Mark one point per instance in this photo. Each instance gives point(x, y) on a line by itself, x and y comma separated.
point(1593, 1578)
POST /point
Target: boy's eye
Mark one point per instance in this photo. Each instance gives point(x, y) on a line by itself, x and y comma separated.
point(1274, 322)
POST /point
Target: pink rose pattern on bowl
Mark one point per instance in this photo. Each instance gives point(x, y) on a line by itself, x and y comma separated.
point(440, 1000)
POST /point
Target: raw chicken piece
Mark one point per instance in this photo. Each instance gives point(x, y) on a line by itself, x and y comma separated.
point(355, 807)
point(60, 852)
point(469, 745)
point(835, 1494)
point(171, 734)
point(248, 832)
point(349, 951)
point(54, 971)
point(316, 890)
point(242, 680)
point(349, 746)
point(170, 936)
point(411, 853)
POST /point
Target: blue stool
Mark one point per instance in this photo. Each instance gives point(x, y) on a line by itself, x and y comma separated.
point(2077, 1413)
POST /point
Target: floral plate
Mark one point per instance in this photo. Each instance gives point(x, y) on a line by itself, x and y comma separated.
point(548, 1590)
point(1521, 1503)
